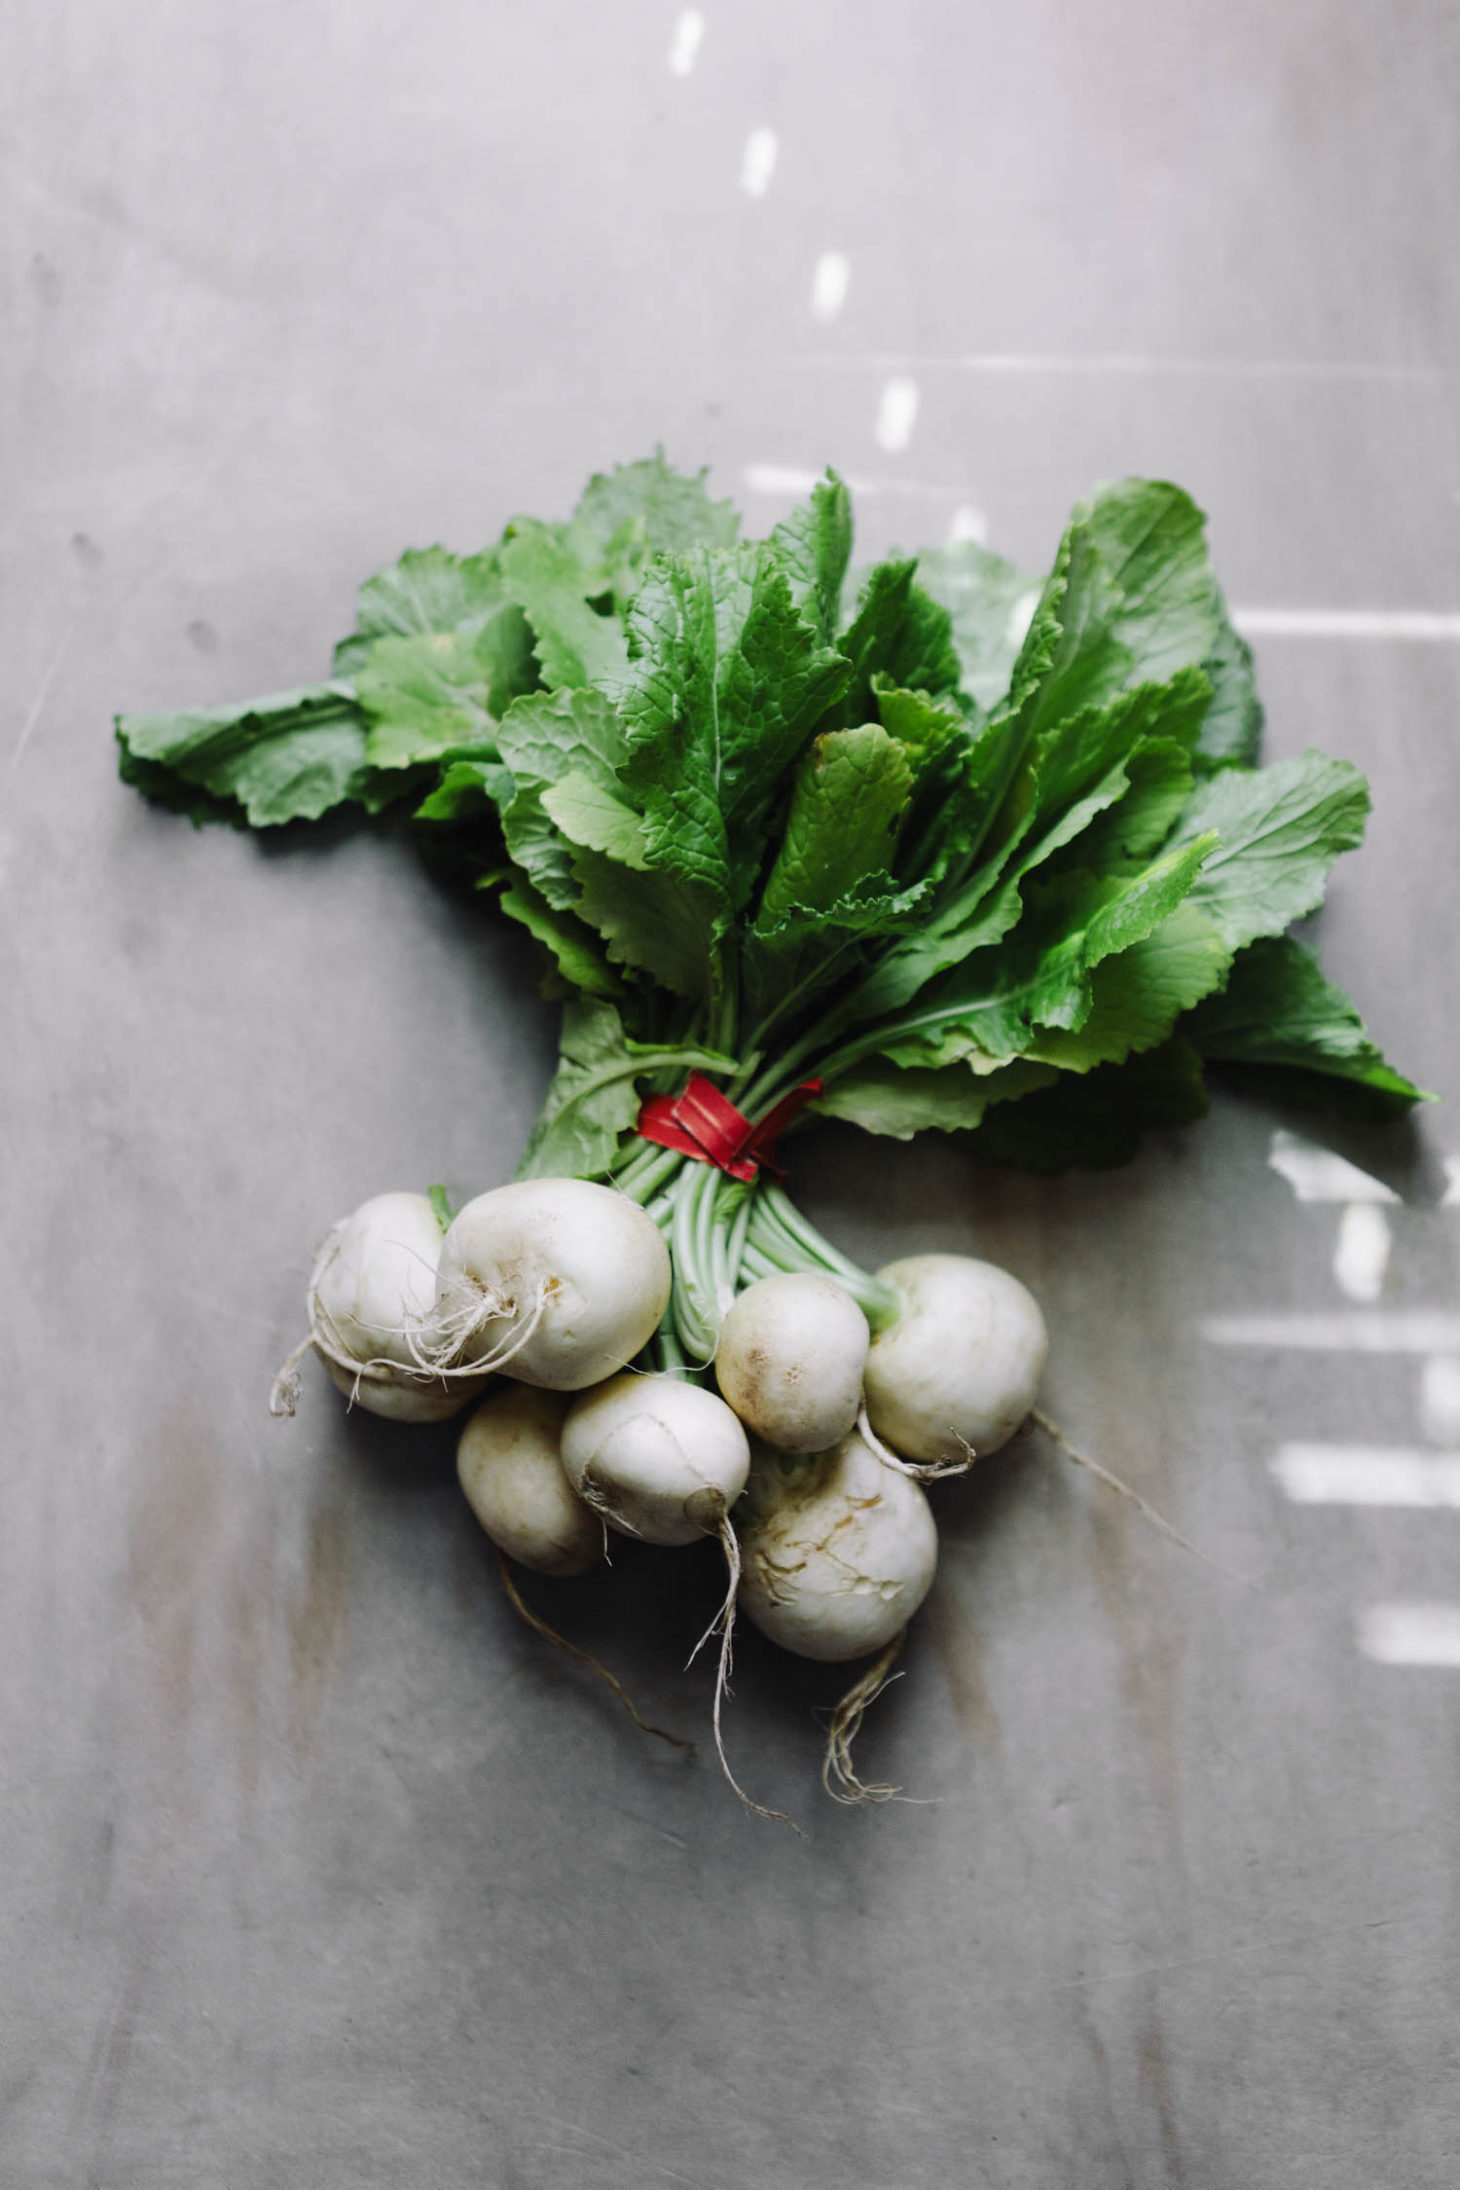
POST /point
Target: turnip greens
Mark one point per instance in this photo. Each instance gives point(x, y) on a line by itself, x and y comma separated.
point(971, 851)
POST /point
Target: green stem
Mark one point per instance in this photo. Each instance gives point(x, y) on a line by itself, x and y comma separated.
point(645, 1171)
point(668, 1354)
point(781, 1231)
point(696, 1317)
point(735, 1244)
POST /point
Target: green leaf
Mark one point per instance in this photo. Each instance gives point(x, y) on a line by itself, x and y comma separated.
point(441, 1207)
point(569, 825)
point(814, 545)
point(1139, 601)
point(468, 790)
point(1140, 993)
point(425, 697)
point(592, 816)
point(993, 1002)
point(898, 634)
point(1096, 1121)
point(544, 739)
point(883, 1098)
point(1232, 733)
point(544, 575)
point(636, 511)
point(847, 803)
point(1160, 781)
point(1069, 759)
point(1278, 1012)
point(1045, 793)
point(290, 757)
point(990, 604)
point(428, 590)
point(594, 1099)
point(725, 686)
point(1281, 828)
point(573, 947)
point(653, 921)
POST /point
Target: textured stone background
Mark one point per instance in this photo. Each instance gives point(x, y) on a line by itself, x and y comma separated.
point(315, 1869)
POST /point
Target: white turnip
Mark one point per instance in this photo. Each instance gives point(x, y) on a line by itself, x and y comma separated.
point(371, 1304)
point(959, 1365)
point(657, 1457)
point(509, 1466)
point(560, 1280)
point(790, 1359)
point(838, 1551)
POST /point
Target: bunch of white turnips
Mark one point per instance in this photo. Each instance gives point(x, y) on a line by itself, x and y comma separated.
point(534, 1306)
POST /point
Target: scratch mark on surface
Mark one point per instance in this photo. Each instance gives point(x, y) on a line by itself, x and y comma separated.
point(1117, 364)
point(619, 2151)
point(43, 693)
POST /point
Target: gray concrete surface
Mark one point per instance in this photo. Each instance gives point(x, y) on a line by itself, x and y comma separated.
point(315, 1870)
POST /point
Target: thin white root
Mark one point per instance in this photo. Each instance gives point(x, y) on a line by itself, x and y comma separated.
point(540, 1626)
point(1057, 1436)
point(593, 1496)
point(837, 1775)
point(725, 1622)
point(921, 1471)
point(284, 1391)
point(725, 1617)
point(441, 1356)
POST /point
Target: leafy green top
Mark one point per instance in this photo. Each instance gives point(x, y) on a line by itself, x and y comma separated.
point(987, 854)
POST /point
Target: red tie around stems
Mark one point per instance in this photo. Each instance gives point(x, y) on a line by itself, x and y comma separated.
point(703, 1123)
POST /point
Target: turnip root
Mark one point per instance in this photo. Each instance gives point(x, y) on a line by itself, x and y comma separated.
point(508, 1465)
point(657, 1457)
point(371, 1302)
point(666, 1460)
point(790, 1360)
point(838, 1551)
point(562, 1280)
point(959, 1366)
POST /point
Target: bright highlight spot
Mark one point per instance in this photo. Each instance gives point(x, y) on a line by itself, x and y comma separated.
point(1347, 623)
point(1317, 1174)
point(1415, 1331)
point(1361, 1254)
point(778, 479)
point(684, 46)
point(1411, 1634)
point(968, 523)
point(829, 286)
point(1439, 1400)
point(758, 162)
point(897, 414)
point(1366, 1475)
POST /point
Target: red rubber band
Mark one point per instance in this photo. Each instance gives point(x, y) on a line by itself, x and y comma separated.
point(703, 1123)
